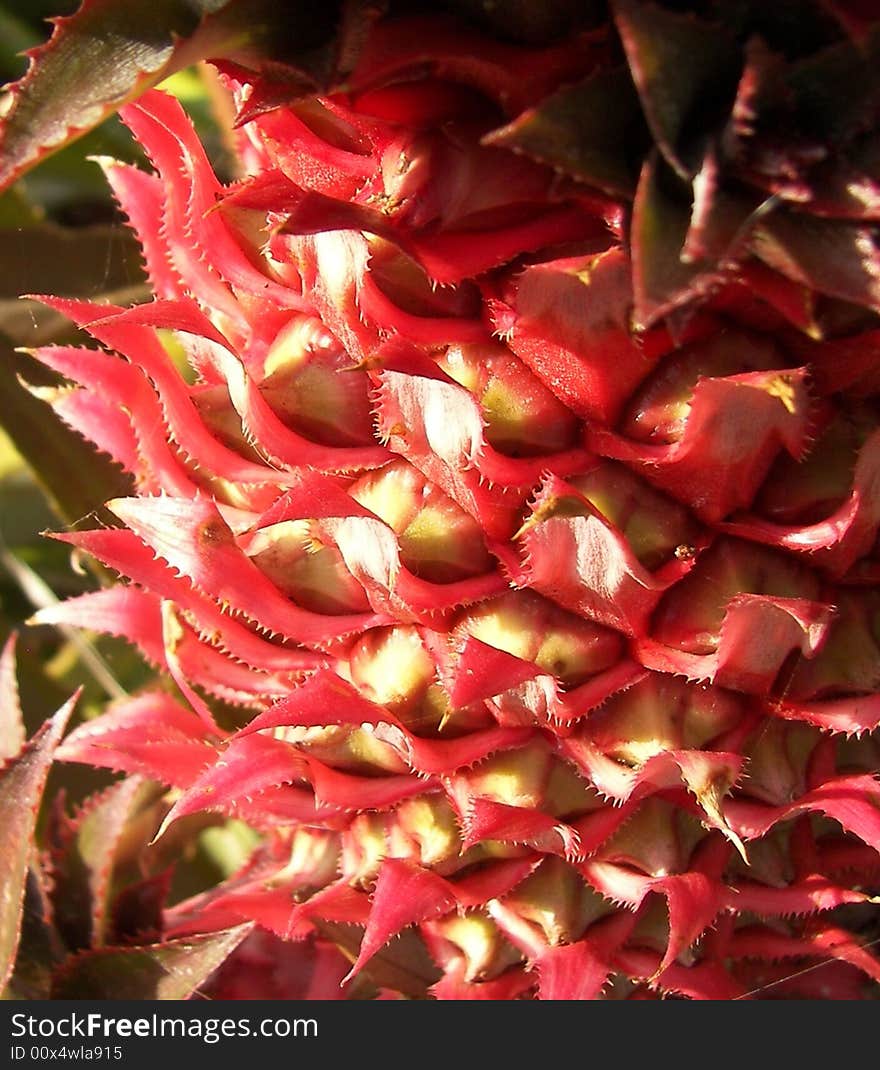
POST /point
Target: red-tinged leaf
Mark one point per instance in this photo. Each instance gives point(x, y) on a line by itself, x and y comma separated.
point(679, 63)
point(665, 277)
point(337, 902)
point(22, 780)
point(76, 477)
point(265, 967)
point(203, 665)
point(708, 775)
point(569, 321)
point(39, 947)
point(835, 258)
point(377, 307)
point(283, 804)
point(174, 969)
point(794, 301)
point(278, 442)
point(405, 894)
point(271, 907)
point(735, 427)
point(304, 161)
point(693, 900)
point(99, 420)
point(454, 256)
point(578, 131)
point(493, 881)
point(192, 537)
point(93, 61)
point(172, 634)
point(371, 552)
point(585, 564)
point(136, 912)
point(438, 427)
point(82, 866)
point(12, 731)
point(174, 314)
point(151, 735)
point(434, 757)
point(481, 671)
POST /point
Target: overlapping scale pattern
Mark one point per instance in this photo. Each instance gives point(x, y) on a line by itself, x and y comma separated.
point(549, 650)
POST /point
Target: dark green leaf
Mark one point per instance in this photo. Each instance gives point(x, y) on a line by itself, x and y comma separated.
point(83, 863)
point(22, 780)
point(171, 970)
point(403, 965)
point(12, 733)
point(835, 258)
point(592, 131)
point(40, 947)
point(685, 70)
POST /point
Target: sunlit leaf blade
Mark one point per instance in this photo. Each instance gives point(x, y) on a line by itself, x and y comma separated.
point(12, 733)
point(21, 787)
point(108, 53)
point(39, 947)
point(172, 970)
point(835, 258)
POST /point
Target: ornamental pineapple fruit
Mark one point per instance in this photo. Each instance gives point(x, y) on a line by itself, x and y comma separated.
point(508, 515)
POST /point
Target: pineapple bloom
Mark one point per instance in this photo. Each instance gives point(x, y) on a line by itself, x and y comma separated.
point(533, 621)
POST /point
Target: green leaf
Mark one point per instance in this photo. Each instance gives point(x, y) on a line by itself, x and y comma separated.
point(12, 734)
point(685, 70)
point(592, 131)
point(836, 258)
point(403, 965)
point(39, 948)
point(108, 53)
point(22, 780)
point(171, 970)
point(527, 22)
point(83, 864)
point(681, 249)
